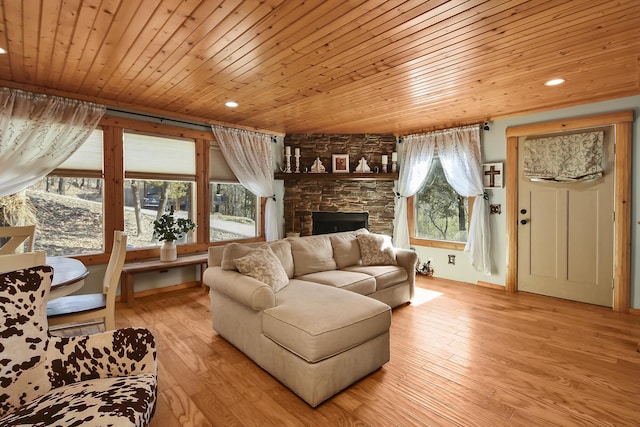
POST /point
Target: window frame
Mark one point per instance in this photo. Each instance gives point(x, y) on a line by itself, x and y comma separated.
point(113, 188)
point(433, 243)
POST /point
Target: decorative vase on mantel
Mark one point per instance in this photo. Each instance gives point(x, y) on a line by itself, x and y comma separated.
point(168, 251)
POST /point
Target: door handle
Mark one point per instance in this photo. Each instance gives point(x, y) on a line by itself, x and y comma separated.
point(523, 221)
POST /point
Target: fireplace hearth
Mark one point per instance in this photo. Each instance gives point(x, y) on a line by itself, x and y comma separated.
point(332, 222)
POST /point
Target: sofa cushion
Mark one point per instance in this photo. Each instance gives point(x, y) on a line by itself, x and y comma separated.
point(353, 281)
point(233, 251)
point(316, 321)
point(262, 264)
point(282, 249)
point(346, 250)
point(376, 249)
point(311, 254)
point(385, 275)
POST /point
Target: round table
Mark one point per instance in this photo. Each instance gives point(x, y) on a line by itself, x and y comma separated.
point(68, 275)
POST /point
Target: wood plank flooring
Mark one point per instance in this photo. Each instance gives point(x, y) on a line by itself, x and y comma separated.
point(460, 356)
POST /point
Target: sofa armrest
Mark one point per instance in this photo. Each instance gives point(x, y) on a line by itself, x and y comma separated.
point(408, 259)
point(243, 289)
point(117, 353)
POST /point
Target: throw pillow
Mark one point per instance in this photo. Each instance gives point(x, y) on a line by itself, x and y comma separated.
point(376, 249)
point(262, 264)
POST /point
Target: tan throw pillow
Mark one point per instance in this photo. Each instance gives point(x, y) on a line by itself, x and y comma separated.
point(262, 264)
point(376, 249)
point(346, 251)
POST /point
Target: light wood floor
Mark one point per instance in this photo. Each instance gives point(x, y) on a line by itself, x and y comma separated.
point(460, 355)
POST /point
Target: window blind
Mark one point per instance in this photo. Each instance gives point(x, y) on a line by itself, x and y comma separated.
point(154, 154)
point(88, 156)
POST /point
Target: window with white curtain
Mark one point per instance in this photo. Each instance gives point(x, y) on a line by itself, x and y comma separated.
point(234, 210)
point(160, 175)
point(68, 203)
point(440, 214)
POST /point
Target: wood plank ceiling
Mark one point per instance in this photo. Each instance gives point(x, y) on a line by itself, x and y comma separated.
point(324, 66)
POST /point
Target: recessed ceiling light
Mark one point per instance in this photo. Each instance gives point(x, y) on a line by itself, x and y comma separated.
point(554, 82)
point(231, 104)
point(2, 51)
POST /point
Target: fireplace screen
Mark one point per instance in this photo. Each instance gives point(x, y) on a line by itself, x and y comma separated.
point(332, 222)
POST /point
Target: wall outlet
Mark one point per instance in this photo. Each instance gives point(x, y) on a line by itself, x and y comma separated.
point(452, 259)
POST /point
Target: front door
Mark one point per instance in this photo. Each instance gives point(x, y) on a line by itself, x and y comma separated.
point(565, 234)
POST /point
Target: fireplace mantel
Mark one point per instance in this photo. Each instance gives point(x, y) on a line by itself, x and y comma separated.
point(337, 176)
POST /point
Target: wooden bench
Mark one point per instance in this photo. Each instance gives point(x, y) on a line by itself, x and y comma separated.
point(132, 268)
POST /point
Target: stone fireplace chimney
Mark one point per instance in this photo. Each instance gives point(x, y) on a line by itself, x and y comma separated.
point(340, 192)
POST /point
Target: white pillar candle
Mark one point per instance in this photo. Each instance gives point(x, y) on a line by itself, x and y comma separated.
point(287, 150)
point(384, 159)
point(394, 157)
point(297, 151)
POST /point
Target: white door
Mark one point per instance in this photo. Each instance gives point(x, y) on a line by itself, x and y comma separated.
point(565, 235)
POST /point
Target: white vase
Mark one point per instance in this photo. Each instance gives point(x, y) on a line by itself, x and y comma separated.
point(168, 251)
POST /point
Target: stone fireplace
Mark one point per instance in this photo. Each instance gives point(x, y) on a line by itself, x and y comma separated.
point(305, 194)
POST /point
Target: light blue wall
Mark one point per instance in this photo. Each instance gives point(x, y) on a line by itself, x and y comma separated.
point(494, 150)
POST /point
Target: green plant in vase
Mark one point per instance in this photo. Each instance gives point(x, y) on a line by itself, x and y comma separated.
point(168, 229)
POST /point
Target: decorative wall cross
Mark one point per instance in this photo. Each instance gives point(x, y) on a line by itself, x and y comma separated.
point(492, 175)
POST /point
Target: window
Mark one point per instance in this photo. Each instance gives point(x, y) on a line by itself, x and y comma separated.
point(159, 175)
point(68, 203)
point(233, 209)
point(77, 207)
point(439, 213)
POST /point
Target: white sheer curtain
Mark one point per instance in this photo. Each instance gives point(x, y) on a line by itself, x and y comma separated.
point(250, 157)
point(37, 133)
point(416, 155)
point(459, 154)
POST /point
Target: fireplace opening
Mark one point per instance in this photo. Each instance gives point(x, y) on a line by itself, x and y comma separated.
point(332, 222)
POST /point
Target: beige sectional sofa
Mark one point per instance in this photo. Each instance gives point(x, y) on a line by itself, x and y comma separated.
point(312, 311)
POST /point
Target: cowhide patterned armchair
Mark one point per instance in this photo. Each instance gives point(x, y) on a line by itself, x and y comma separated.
point(97, 380)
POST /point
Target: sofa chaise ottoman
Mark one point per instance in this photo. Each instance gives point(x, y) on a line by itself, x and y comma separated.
point(313, 311)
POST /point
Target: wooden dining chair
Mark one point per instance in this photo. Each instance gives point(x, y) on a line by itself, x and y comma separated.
point(12, 262)
point(92, 308)
point(17, 236)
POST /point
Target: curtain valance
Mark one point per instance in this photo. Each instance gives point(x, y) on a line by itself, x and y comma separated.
point(38, 133)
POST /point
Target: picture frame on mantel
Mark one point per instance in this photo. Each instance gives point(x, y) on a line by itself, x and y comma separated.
point(340, 163)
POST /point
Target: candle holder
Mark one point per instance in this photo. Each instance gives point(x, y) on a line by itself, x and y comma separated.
point(384, 168)
point(297, 156)
point(287, 168)
point(394, 167)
